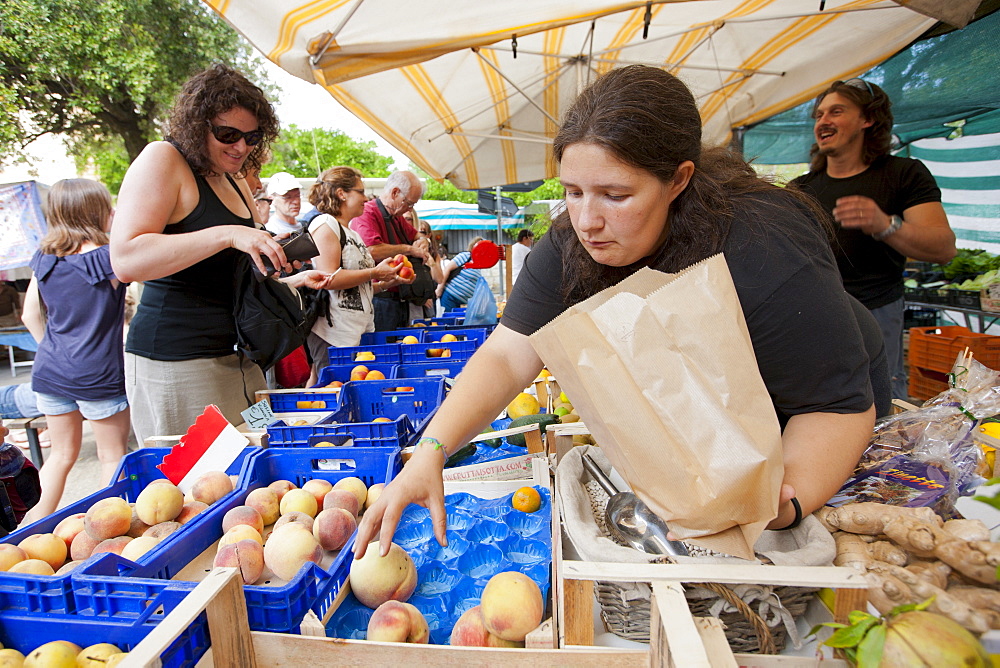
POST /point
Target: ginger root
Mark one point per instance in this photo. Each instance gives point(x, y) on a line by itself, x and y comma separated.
point(977, 559)
point(851, 551)
point(919, 589)
point(967, 529)
point(935, 572)
point(883, 550)
point(872, 518)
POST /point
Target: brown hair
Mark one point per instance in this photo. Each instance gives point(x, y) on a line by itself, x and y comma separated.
point(875, 107)
point(647, 118)
point(323, 194)
point(77, 211)
point(204, 96)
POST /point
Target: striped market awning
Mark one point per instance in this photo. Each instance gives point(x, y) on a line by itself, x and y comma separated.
point(474, 91)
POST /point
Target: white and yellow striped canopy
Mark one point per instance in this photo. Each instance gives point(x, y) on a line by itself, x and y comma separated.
point(440, 80)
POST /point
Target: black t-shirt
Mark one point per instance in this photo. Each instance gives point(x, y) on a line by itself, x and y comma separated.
point(806, 335)
point(873, 270)
point(189, 314)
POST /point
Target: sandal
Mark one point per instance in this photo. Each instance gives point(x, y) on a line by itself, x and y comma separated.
point(19, 437)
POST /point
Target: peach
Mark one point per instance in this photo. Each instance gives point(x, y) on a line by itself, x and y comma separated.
point(160, 502)
point(137, 526)
point(108, 518)
point(376, 579)
point(374, 374)
point(470, 631)
point(211, 486)
point(242, 515)
point(373, 493)
point(341, 498)
point(297, 518)
point(289, 550)
point(96, 656)
point(448, 338)
point(240, 532)
point(395, 621)
point(116, 545)
point(11, 658)
point(266, 502)
point(48, 547)
point(139, 546)
point(32, 566)
point(55, 654)
point(246, 555)
point(299, 500)
point(69, 527)
point(356, 486)
point(162, 530)
point(512, 605)
point(82, 547)
point(318, 488)
point(333, 527)
point(279, 487)
point(189, 510)
point(10, 555)
point(115, 660)
point(410, 339)
point(66, 568)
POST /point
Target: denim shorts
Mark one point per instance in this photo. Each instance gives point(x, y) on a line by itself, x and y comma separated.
point(90, 410)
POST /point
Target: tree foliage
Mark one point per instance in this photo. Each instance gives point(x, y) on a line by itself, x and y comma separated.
point(103, 73)
point(306, 153)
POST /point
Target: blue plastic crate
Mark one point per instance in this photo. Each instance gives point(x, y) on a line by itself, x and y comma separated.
point(45, 594)
point(477, 334)
point(367, 400)
point(342, 372)
point(417, 353)
point(434, 322)
point(389, 336)
point(394, 433)
point(312, 402)
point(114, 588)
point(385, 353)
point(25, 633)
point(454, 313)
point(438, 367)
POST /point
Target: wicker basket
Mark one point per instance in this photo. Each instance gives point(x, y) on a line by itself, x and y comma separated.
point(757, 628)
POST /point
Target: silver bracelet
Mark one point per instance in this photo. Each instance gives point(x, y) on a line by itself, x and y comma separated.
point(895, 222)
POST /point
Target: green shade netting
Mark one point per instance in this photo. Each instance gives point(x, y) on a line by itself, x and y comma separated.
point(951, 79)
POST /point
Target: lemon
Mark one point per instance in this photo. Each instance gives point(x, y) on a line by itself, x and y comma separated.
point(523, 404)
point(544, 373)
point(526, 499)
point(563, 398)
point(990, 429)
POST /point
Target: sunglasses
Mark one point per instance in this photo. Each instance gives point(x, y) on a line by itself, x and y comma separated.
point(228, 135)
point(860, 84)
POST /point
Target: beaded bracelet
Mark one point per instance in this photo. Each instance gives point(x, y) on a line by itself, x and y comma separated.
point(433, 441)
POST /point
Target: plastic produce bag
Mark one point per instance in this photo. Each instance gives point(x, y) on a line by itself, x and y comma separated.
point(482, 306)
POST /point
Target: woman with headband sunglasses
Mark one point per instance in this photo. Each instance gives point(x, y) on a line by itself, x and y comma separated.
point(185, 213)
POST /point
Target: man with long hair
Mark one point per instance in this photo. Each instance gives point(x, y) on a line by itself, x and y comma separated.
point(886, 208)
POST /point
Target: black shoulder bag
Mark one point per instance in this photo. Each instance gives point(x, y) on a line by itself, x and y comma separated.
point(423, 285)
point(316, 303)
point(269, 316)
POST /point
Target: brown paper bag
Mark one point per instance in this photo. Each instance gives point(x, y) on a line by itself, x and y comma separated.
point(661, 369)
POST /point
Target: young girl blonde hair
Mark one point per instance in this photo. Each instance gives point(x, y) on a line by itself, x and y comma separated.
point(77, 211)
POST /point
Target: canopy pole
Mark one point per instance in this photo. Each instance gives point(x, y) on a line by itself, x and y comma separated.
point(500, 238)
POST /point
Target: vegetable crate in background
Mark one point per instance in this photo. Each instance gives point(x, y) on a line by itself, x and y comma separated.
point(933, 350)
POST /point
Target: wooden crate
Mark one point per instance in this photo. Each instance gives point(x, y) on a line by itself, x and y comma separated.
point(677, 638)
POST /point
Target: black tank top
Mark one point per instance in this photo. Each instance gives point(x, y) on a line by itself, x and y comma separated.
point(189, 314)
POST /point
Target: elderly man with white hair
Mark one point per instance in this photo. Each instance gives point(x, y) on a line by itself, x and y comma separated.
point(386, 233)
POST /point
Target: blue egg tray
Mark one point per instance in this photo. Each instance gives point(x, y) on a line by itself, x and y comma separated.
point(485, 537)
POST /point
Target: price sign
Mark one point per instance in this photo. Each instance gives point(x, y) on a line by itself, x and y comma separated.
point(258, 416)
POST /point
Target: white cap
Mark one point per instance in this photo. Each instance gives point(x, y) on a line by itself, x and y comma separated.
point(281, 183)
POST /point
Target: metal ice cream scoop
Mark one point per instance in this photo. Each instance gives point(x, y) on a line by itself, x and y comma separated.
point(631, 521)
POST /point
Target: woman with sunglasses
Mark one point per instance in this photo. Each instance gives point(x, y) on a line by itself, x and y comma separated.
point(185, 213)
